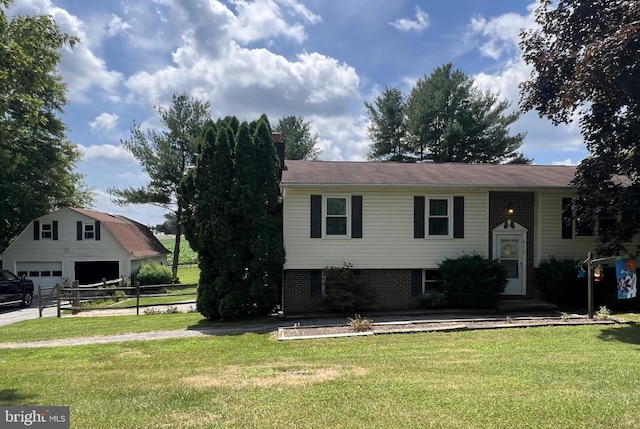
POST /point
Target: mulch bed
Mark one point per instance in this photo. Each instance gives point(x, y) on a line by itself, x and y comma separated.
point(306, 332)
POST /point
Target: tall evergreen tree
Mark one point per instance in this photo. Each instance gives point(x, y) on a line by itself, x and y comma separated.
point(234, 203)
point(299, 141)
point(451, 121)
point(38, 162)
point(445, 119)
point(388, 128)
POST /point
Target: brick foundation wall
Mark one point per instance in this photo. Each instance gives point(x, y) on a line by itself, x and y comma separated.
point(523, 204)
point(389, 289)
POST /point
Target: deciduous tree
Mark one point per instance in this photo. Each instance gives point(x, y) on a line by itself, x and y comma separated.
point(586, 66)
point(38, 162)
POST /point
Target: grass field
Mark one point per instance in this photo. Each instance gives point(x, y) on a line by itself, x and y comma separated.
point(565, 377)
point(187, 255)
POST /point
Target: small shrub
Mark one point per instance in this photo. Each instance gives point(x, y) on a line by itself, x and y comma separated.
point(152, 310)
point(604, 313)
point(433, 299)
point(359, 323)
point(558, 279)
point(153, 274)
point(472, 281)
point(344, 289)
point(172, 310)
point(564, 316)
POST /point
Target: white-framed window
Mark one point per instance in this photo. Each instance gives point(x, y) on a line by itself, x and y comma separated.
point(46, 231)
point(430, 279)
point(439, 217)
point(89, 231)
point(336, 211)
point(583, 227)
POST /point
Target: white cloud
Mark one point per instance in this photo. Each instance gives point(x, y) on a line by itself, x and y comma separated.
point(502, 32)
point(565, 162)
point(104, 122)
point(421, 22)
point(116, 25)
point(107, 152)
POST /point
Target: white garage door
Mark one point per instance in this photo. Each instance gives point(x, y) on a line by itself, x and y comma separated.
point(45, 274)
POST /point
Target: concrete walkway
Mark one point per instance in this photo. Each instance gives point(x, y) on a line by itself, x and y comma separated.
point(264, 327)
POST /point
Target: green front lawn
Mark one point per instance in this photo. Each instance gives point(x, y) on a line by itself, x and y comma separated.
point(563, 377)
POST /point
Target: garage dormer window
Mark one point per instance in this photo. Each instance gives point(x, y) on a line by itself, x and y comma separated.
point(89, 231)
point(46, 231)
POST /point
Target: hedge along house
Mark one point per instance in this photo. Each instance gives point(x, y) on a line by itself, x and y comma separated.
point(83, 245)
point(396, 222)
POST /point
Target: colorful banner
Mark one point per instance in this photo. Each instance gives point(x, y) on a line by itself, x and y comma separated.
point(627, 278)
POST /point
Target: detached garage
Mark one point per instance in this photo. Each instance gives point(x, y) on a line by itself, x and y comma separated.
point(84, 245)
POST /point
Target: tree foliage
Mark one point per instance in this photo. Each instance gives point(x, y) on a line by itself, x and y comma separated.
point(388, 128)
point(299, 141)
point(234, 219)
point(586, 65)
point(165, 156)
point(37, 174)
point(444, 119)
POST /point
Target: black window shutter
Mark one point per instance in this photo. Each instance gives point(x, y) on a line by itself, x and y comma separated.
point(55, 229)
point(316, 283)
point(316, 216)
point(79, 230)
point(97, 230)
point(356, 216)
point(418, 216)
point(567, 219)
point(458, 217)
point(416, 282)
point(36, 230)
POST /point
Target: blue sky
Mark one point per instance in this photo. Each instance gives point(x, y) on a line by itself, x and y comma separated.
point(316, 58)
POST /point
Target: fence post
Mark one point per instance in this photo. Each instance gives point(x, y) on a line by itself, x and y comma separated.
point(76, 303)
point(39, 300)
point(58, 298)
point(137, 286)
point(590, 285)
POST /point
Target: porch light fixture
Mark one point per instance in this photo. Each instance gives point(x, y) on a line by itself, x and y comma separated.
point(510, 212)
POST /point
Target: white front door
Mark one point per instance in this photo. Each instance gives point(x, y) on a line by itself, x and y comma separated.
point(509, 247)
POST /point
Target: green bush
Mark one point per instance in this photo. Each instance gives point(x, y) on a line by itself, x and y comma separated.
point(433, 299)
point(558, 280)
point(472, 281)
point(153, 274)
point(344, 289)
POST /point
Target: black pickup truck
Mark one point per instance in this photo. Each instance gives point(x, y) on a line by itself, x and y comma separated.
point(15, 289)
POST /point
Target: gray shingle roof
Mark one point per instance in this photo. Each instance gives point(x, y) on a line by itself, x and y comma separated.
point(135, 237)
point(327, 173)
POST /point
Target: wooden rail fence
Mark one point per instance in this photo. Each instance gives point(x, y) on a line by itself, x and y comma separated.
point(79, 297)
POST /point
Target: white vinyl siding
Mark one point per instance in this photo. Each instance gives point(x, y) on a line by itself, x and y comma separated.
point(549, 226)
point(387, 231)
